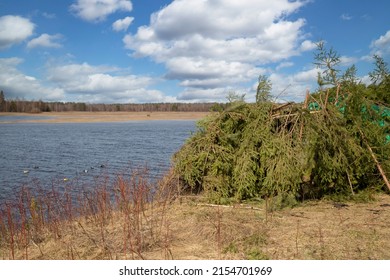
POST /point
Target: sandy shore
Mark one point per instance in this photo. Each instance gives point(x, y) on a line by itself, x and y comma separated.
point(88, 117)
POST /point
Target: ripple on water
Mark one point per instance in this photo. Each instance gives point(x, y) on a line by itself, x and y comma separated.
point(54, 152)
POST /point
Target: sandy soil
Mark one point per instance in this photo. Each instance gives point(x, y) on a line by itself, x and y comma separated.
point(87, 117)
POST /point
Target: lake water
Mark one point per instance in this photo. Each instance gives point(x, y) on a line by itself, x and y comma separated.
point(46, 153)
point(11, 118)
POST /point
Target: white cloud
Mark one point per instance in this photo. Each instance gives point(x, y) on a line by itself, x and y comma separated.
point(348, 60)
point(381, 46)
point(69, 74)
point(18, 85)
point(219, 19)
point(78, 82)
point(98, 10)
point(46, 41)
point(366, 79)
point(100, 84)
point(122, 24)
point(14, 30)
point(184, 68)
point(308, 45)
point(203, 95)
point(293, 87)
point(383, 41)
point(285, 64)
point(219, 44)
point(49, 15)
point(346, 16)
point(275, 42)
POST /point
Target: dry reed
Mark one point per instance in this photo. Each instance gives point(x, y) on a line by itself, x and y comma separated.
point(133, 200)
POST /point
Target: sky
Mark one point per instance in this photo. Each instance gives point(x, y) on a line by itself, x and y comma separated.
point(143, 51)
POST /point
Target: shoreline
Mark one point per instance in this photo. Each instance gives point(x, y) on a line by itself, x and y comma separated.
point(95, 117)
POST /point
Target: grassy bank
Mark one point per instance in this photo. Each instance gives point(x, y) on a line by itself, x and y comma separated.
point(129, 219)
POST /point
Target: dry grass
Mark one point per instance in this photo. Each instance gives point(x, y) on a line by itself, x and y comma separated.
point(314, 230)
point(115, 219)
point(132, 224)
point(87, 117)
point(319, 230)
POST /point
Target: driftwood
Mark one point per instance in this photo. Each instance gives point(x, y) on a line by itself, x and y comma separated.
point(292, 115)
point(238, 206)
point(337, 94)
point(304, 107)
point(281, 106)
point(350, 183)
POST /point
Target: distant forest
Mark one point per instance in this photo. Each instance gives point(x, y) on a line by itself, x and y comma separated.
point(22, 106)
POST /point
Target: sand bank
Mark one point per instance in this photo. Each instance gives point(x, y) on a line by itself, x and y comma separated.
point(88, 117)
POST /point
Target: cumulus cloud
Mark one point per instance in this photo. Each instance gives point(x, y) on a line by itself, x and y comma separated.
point(308, 45)
point(293, 87)
point(46, 41)
point(348, 60)
point(101, 84)
point(84, 78)
point(185, 68)
point(203, 95)
point(285, 64)
point(98, 10)
point(381, 46)
point(122, 24)
point(14, 29)
point(18, 85)
point(219, 44)
point(78, 82)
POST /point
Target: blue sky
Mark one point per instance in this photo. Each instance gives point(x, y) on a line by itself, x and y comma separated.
point(122, 51)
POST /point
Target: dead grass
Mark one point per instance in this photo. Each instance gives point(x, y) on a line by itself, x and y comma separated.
point(314, 230)
point(133, 225)
point(318, 230)
point(87, 117)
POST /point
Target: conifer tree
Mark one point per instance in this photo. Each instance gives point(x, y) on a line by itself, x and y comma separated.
point(2, 101)
point(263, 92)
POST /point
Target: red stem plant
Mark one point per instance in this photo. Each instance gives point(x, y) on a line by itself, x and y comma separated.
point(11, 230)
point(130, 204)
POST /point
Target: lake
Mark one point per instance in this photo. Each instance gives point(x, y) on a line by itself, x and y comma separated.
point(43, 153)
point(11, 118)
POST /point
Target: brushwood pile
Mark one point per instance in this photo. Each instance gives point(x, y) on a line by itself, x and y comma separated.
point(335, 142)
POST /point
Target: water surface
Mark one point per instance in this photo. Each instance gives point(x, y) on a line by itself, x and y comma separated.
point(43, 153)
point(17, 118)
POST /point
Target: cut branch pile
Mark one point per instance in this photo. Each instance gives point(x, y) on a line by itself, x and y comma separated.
point(326, 145)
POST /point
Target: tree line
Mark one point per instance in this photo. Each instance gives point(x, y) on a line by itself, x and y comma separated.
point(23, 106)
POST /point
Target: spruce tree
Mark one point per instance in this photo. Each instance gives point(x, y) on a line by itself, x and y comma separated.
point(2, 101)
